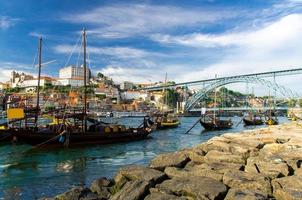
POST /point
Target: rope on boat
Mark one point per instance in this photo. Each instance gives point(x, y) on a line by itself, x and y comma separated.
point(193, 125)
point(4, 137)
point(51, 139)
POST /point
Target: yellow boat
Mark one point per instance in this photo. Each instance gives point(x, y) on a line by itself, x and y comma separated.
point(169, 121)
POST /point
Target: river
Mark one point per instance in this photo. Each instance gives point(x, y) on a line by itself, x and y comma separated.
point(28, 174)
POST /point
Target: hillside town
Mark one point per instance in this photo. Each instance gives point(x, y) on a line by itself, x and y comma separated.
point(105, 95)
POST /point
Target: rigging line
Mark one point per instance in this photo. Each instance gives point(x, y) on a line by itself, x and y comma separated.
point(74, 47)
point(88, 54)
point(34, 61)
point(79, 54)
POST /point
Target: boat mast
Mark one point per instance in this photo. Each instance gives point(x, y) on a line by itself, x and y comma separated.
point(215, 101)
point(166, 96)
point(39, 77)
point(85, 77)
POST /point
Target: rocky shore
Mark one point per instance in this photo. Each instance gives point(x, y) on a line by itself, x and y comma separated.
point(252, 165)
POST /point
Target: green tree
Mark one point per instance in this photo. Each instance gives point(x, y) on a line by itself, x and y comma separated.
point(100, 75)
point(292, 103)
point(300, 103)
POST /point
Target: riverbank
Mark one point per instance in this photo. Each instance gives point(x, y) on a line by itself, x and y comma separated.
point(256, 164)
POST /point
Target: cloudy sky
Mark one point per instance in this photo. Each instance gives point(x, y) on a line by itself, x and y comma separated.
point(141, 40)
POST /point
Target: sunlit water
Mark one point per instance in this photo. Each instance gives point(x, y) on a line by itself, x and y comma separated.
point(28, 174)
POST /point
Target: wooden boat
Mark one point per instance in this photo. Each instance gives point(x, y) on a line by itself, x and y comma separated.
point(168, 121)
point(271, 118)
point(271, 121)
point(69, 128)
point(216, 124)
point(252, 120)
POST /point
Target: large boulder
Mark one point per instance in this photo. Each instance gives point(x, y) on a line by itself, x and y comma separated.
point(218, 167)
point(101, 187)
point(78, 193)
point(158, 195)
point(177, 159)
point(135, 172)
point(292, 156)
point(194, 187)
point(196, 155)
point(173, 172)
point(133, 190)
point(272, 166)
point(244, 180)
point(215, 156)
point(289, 188)
point(243, 194)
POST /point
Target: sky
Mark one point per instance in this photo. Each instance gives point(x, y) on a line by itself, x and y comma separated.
point(142, 40)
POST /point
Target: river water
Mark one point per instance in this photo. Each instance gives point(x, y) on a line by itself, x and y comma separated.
point(28, 174)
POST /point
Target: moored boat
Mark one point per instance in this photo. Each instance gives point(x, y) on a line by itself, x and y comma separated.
point(216, 123)
point(167, 121)
point(253, 120)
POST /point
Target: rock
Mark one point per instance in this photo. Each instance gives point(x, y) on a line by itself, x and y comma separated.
point(135, 172)
point(78, 193)
point(298, 172)
point(221, 167)
point(215, 156)
point(210, 170)
point(289, 188)
point(133, 190)
point(242, 194)
point(272, 167)
point(157, 195)
point(173, 172)
point(196, 155)
point(178, 159)
point(292, 156)
point(194, 187)
point(244, 180)
point(216, 143)
point(100, 186)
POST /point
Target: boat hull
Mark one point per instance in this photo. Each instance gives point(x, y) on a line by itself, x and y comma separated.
point(252, 122)
point(78, 139)
point(271, 122)
point(219, 125)
point(167, 125)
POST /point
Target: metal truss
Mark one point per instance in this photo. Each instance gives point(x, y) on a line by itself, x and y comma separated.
point(285, 92)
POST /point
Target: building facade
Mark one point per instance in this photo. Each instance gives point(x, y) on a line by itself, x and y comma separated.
point(73, 72)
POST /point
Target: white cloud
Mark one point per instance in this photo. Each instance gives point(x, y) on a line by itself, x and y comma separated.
point(276, 46)
point(7, 22)
point(118, 52)
point(8, 67)
point(285, 30)
point(120, 21)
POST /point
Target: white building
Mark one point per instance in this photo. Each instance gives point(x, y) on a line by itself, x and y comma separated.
point(73, 72)
point(135, 95)
point(74, 82)
point(126, 85)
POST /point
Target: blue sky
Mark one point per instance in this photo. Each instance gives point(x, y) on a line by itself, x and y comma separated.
point(141, 40)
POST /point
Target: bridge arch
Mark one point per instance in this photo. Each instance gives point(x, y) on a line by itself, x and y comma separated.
point(285, 92)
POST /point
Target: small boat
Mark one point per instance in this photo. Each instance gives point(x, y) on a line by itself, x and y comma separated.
point(168, 121)
point(252, 120)
point(271, 121)
point(216, 123)
point(271, 118)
